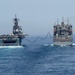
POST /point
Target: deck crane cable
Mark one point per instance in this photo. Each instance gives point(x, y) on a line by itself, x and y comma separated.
point(40, 38)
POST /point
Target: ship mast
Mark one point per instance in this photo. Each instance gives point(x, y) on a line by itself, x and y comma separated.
point(57, 21)
point(62, 23)
point(16, 20)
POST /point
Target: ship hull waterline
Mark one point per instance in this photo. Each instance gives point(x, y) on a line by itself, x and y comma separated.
point(63, 43)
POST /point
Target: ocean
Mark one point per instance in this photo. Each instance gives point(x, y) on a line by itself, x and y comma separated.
point(38, 58)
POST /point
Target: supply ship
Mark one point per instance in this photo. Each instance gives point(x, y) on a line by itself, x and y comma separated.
point(63, 34)
point(15, 38)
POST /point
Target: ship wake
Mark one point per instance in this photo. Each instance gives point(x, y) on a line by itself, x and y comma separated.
point(11, 46)
point(59, 45)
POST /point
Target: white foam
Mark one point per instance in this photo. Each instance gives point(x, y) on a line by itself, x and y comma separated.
point(73, 44)
point(46, 44)
point(11, 46)
point(51, 44)
point(63, 45)
point(59, 45)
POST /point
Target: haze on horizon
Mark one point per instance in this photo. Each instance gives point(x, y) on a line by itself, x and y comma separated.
point(37, 17)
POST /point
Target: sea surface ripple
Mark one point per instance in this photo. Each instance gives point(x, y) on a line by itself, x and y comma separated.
point(39, 58)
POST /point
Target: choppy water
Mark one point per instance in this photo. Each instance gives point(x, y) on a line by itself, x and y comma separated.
point(38, 59)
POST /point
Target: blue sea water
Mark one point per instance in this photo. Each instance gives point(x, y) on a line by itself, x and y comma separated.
point(38, 58)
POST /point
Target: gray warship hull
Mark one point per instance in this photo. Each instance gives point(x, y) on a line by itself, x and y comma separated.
point(63, 43)
point(9, 43)
point(9, 40)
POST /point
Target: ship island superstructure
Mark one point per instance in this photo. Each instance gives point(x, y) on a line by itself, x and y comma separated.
point(15, 38)
point(63, 34)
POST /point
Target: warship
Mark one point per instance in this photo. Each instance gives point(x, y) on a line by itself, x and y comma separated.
point(62, 35)
point(15, 38)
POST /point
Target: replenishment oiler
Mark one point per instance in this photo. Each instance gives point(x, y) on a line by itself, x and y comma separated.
point(15, 38)
point(63, 34)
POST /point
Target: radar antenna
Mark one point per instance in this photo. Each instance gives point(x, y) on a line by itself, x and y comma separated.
point(62, 19)
point(16, 20)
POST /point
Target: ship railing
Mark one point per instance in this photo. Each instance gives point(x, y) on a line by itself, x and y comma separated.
point(62, 40)
point(8, 36)
point(9, 39)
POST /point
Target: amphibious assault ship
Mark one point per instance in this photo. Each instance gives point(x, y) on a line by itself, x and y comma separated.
point(15, 38)
point(63, 34)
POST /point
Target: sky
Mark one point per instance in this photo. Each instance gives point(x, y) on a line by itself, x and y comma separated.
point(37, 17)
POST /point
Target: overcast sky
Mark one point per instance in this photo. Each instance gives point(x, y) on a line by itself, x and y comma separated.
point(37, 17)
